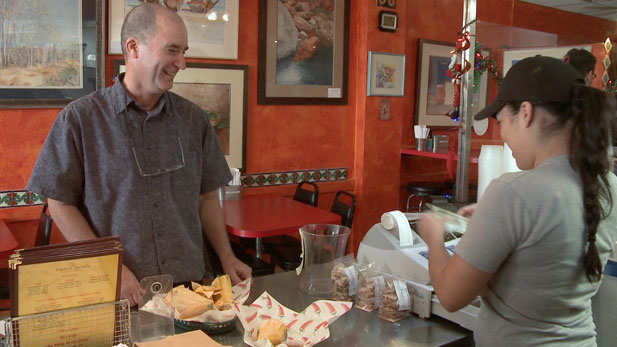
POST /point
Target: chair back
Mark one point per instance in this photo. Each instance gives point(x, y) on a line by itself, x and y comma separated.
point(345, 210)
point(305, 195)
point(43, 233)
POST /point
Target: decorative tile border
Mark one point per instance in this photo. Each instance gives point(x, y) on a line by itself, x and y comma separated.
point(19, 198)
point(293, 177)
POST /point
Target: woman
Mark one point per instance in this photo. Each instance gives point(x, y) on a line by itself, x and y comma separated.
point(536, 244)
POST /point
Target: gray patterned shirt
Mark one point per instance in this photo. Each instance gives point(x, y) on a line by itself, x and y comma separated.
point(87, 160)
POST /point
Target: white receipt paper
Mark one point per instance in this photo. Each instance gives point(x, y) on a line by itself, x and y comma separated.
point(396, 219)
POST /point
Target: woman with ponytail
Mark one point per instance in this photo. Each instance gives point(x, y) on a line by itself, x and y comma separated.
point(537, 241)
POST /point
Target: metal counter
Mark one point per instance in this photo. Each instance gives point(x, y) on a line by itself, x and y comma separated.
point(356, 327)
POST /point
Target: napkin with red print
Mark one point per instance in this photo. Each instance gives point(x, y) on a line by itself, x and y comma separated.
point(303, 329)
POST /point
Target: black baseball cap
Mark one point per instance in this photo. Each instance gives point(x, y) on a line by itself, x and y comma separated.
point(536, 78)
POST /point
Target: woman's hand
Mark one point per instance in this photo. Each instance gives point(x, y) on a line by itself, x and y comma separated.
point(467, 211)
point(431, 229)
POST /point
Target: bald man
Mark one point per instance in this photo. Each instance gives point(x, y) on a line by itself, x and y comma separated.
point(139, 162)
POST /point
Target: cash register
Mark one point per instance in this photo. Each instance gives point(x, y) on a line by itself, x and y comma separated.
point(395, 247)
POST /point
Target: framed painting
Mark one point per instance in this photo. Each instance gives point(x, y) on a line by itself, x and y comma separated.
point(303, 52)
point(53, 52)
point(513, 56)
point(386, 74)
point(212, 26)
point(221, 91)
point(435, 90)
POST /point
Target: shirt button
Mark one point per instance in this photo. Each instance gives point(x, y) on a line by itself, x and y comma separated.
point(157, 203)
point(149, 146)
point(159, 233)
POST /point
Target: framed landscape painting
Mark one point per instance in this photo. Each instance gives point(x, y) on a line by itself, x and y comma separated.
point(52, 53)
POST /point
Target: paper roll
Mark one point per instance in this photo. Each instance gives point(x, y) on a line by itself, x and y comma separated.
point(397, 220)
point(490, 166)
point(509, 163)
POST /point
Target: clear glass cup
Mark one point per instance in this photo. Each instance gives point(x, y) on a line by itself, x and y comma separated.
point(321, 243)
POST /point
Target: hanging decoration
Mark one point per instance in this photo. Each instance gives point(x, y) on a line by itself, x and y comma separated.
point(609, 85)
point(458, 68)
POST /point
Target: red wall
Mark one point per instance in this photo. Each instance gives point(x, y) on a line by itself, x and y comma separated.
point(283, 138)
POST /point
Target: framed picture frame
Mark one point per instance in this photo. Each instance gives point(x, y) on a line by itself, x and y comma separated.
point(513, 56)
point(221, 91)
point(212, 33)
point(386, 74)
point(303, 62)
point(434, 89)
point(56, 55)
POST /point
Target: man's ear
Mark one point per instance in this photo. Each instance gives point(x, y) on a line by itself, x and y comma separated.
point(526, 112)
point(131, 47)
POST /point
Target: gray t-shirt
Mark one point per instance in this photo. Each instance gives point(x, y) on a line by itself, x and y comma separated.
point(528, 231)
point(88, 161)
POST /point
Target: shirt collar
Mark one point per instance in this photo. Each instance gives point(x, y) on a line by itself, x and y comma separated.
point(122, 99)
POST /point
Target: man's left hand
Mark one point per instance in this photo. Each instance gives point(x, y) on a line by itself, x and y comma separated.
point(237, 270)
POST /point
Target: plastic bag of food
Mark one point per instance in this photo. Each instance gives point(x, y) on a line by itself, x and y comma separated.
point(395, 299)
point(344, 278)
point(371, 285)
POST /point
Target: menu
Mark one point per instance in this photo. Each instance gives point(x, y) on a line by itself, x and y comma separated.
point(62, 277)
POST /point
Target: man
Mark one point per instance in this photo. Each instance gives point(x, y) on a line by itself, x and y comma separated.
point(139, 162)
point(584, 62)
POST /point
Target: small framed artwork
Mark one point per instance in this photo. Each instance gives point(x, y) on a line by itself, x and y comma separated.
point(221, 91)
point(388, 21)
point(212, 25)
point(435, 90)
point(386, 74)
point(303, 52)
point(54, 52)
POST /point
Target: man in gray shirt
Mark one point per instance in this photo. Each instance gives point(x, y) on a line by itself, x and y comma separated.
point(139, 162)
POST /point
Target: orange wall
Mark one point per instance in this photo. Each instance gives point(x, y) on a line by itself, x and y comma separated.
point(283, 138)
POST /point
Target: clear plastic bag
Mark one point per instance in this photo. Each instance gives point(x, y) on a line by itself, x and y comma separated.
point(345, 278)
point(396, 301)
point(371, 285)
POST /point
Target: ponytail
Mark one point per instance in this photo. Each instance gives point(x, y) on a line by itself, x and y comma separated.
point(590, 139)
point(591, 113)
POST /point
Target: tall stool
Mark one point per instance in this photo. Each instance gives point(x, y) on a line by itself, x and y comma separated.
point(423, 190)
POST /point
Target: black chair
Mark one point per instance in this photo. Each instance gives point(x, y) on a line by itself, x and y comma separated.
point(307, 196)
point(345, 210)
point(287, 256)
point(43, 233)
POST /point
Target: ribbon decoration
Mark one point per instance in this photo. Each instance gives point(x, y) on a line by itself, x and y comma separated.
point(456, 70)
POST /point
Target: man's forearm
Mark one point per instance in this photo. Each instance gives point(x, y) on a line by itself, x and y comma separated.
point(70, 221)
point(213, 224)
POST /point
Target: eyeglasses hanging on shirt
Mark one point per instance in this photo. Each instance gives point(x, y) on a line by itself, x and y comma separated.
point(159, 171)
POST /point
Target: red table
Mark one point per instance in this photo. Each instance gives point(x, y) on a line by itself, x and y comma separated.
point(7, 241)
point(257, 216)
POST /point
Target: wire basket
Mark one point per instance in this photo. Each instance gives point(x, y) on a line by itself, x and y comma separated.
point(95, 325)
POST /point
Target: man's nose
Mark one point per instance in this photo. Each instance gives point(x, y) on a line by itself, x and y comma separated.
point(181, 62)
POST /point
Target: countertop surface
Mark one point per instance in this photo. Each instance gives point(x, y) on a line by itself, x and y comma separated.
point(356, 327)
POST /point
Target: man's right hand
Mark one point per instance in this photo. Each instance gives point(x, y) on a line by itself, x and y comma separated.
point(130, 286)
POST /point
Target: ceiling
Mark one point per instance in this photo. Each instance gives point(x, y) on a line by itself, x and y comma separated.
point(606, 9)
